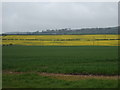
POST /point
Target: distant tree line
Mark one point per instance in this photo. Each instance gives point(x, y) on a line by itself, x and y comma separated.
point(69, 31)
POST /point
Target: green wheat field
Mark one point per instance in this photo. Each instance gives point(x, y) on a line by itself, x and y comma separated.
point(60, 66)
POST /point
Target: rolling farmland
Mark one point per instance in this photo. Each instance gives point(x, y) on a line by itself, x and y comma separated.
point(59, 44)
point(60, 61)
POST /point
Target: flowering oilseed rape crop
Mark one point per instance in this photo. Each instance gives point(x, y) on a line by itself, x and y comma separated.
point(61, 40)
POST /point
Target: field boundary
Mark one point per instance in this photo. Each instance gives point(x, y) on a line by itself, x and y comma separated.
point(65, 75)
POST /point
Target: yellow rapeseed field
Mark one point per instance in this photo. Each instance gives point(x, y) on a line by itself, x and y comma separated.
point(61, 40)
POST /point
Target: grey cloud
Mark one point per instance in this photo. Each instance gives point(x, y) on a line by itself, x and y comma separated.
point(0, 10)
point(41, 16)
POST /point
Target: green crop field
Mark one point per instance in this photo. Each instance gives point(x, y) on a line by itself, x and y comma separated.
point(21, 64)
point(37, 81)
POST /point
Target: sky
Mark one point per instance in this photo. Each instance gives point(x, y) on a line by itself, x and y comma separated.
point(38, 16)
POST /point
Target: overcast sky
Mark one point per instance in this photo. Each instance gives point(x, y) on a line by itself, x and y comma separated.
point(54, 15)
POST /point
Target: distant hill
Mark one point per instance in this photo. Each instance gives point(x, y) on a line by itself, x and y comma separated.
point(68, 31)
